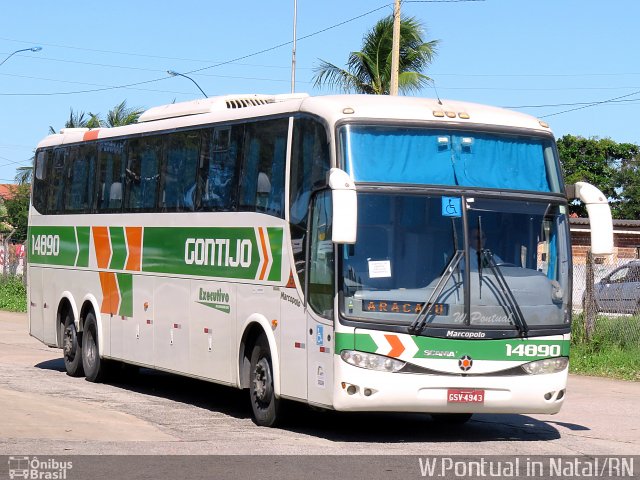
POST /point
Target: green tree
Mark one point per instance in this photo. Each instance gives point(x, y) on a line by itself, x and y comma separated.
point(369, 70)
point(629, 183)
point(610, 166)
point(17, 211)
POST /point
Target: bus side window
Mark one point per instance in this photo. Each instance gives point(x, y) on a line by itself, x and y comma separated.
point(111, 163)
point(262, 185)
point(219, 167)
point(179, 166)
point(80, 179)
point(56, 184)
point(40, 181)
point(143, 162)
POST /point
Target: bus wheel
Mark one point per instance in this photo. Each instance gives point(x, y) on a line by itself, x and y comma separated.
point(451, 418)
point(72, 348)
point(264, 403)
point(93, 367)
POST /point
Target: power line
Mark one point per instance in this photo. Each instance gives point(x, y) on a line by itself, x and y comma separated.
point(235, 77)
point(568, 104)
point(610, 100)
point(145, 82)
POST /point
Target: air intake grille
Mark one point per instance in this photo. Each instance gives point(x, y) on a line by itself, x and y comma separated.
point(248, 102)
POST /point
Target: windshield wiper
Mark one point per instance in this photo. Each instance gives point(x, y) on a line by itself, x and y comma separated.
point(421, 319)
point(512, 303)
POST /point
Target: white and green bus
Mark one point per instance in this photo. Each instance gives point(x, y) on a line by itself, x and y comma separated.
point(356, 253)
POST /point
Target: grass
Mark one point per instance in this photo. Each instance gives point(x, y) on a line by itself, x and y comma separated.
point(13, 295)
point(612, 351)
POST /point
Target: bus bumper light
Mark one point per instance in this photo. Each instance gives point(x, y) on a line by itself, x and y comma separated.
point(371, 361)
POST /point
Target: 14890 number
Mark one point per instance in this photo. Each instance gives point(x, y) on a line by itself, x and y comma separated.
point(45, 245)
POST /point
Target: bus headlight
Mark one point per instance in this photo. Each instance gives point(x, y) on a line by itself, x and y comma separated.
point(371, 361)
point(548, 365)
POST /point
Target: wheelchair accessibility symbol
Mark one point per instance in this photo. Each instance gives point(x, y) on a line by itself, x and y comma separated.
point(451, 207)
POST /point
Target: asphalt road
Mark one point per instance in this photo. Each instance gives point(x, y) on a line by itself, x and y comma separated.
point(43, 411)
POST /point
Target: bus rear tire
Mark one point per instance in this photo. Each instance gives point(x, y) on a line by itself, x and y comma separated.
point(94, 368)
point(72, 348)
point(264, 404)
point(451, 418)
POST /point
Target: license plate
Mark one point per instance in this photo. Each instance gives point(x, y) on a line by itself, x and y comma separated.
point(465, 396)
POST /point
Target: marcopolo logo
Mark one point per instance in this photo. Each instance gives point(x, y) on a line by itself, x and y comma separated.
point(34, 468)
point(464, 334)
point(218, 300)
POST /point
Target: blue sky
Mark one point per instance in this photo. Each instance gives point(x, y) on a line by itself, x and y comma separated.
point(510, 53)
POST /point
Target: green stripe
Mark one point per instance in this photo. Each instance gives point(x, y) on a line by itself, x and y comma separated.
point(438, 348)
point(364, 343)
point(344, 341)
point(125, 286)
point(483, 349)
point(275, 240)
point(83, 234)
point(52, 246)
point(118, 247)
point(183, 251)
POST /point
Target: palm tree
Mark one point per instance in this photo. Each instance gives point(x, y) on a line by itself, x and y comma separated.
point(24, 174)
point(79, 120)
point(369, 70)
point(121, 115)
point(117, 116)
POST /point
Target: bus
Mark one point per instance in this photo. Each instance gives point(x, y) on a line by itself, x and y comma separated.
point(352, 252)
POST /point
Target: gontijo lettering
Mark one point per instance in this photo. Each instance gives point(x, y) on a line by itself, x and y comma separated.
point(216, 252)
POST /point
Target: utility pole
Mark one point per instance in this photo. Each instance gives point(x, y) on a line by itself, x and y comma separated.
point(293, 52)
point(395, 49)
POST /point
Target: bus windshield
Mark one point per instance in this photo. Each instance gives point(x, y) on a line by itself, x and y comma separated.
point(517, 258)
point(416, 155)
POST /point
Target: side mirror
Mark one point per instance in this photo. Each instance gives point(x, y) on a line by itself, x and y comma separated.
point(600, 222)
point(345, 207)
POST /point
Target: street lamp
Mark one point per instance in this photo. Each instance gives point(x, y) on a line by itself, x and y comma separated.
point(32, 49)
point(173, 74)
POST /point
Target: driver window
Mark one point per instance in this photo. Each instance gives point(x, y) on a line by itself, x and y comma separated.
point(321, 257)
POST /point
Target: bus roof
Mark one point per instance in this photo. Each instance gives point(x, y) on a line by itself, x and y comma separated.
point(333, 108)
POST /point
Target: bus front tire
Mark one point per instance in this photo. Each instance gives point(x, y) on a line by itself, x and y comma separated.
point(451, 418)
point(264, 403)
point(72, 348)
point(94, 368)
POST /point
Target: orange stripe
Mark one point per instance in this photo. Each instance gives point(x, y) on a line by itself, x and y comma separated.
point(263, 244)
point(291, 283)
point(110, 293)
point(134, 244)
point(91, 135)
point(396, 345)
point(103, 246)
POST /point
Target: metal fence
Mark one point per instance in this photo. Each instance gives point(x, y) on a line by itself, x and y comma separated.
point(614, 289)
point(606, 298)
point(11, 258)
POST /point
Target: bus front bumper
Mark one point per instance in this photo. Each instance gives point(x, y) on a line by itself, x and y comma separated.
point(358, 389)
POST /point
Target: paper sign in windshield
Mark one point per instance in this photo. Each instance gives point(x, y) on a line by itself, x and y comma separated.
point(379, 268)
